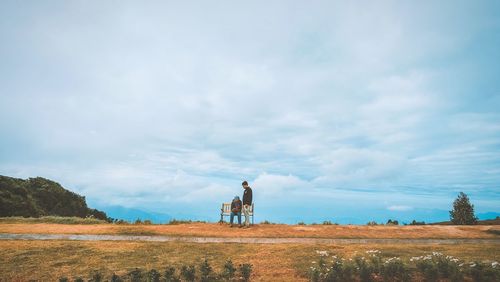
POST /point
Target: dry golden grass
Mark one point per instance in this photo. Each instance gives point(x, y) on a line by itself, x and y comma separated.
point(49, 260)
point(262, 230)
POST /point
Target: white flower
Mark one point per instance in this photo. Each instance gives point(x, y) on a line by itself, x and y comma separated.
point(322, 253)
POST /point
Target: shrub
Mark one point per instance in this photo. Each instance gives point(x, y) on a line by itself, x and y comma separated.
point(265, 222)
point(393, 269)
point(115, 278)
point(301, 223)
point(428, 270)
point(138, 221)
point(371, 223)
point(153, 276)
point(364, 268)
point(414, 222)
point(246, 271)
point(328, 222)
point(96, 276)
point(147, 222)
point(205, 271)
point(314, 274)
point(63, 279)
point(188, 272)
point(436, 266)
point(392, 222)
point(340, 270)
point(229, 270)
point(375, 260)
point(484, 272)
point(135, 275)
point(170, 275)
point(78, 279)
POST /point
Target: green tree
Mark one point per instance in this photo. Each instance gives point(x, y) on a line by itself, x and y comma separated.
point(463, 211)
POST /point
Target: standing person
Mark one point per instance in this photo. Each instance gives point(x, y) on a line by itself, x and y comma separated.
point(235, 210)
point(247, 202)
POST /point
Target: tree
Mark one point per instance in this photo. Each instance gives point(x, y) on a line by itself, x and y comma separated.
point(463, 211)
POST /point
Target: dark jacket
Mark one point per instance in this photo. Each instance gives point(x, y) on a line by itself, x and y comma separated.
point(247, 196)
point(236, 206)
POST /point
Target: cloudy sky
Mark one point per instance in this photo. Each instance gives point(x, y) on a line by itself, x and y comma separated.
point(333, 110)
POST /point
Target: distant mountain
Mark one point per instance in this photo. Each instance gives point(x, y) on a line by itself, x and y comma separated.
point(131, 214)
point(487, 218)
point(35, 197)
point(488, 215)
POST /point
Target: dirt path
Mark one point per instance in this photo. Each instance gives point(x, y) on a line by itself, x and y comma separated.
point(241, 240)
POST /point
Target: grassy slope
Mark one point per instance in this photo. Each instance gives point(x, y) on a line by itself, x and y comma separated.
point(260, 230)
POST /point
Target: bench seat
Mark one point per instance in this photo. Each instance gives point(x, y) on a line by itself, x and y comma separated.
point(226, 211)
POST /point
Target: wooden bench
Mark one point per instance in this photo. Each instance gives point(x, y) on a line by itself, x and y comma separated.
point(226, 211)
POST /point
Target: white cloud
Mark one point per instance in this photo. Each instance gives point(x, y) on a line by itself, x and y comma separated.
point(399, 208)
point(162, 103)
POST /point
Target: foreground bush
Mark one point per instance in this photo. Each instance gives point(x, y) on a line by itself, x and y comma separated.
point(374, 267)
point(203, 273)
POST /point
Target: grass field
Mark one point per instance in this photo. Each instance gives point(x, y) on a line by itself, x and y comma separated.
point(49, 260)
point(22, 260)
point(259, 230)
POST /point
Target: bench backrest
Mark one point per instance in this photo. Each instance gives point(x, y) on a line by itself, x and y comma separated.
point(226, 209)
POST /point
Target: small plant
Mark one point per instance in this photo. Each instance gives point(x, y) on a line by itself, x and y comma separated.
point(314, 274)
point(414, 222)
point(135, 275)
point(78, 279)
point(96, 276)
point(301, 223)
point(265, 222)
point(436, 266)
point(114, 278)
point(170, 275)
point(188, 272)
point(393, 269)
point(484, 272)
point(371, 223)
point(246, 271)
point(428, 270)
point(138, 221)
point(147, 222)
point(328, 222)
point(153, 276)
point(392, 222)
point(364, 268)
point(181, 221)
point(205, 271)
point(229, 270)
point(63, 279)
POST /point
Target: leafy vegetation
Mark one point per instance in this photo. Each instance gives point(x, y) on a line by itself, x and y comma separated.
point(463, 211)
point(37, 197)
point(187, 273)
point(372, 266)
point(52, 219)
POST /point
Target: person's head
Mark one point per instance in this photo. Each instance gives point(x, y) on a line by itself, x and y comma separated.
point(236, 198)
point(244, 184)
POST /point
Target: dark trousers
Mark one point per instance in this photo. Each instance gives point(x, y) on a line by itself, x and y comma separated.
point(232, 217)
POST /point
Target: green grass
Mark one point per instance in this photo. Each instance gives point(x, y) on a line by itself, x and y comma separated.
point(51, 219)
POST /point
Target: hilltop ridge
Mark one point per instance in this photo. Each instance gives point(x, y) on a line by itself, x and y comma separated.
point(36, 197)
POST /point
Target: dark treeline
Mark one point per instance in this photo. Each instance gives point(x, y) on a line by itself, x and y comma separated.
point(36, 197)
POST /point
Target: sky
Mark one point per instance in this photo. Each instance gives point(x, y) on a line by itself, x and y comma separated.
point(348, 111)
